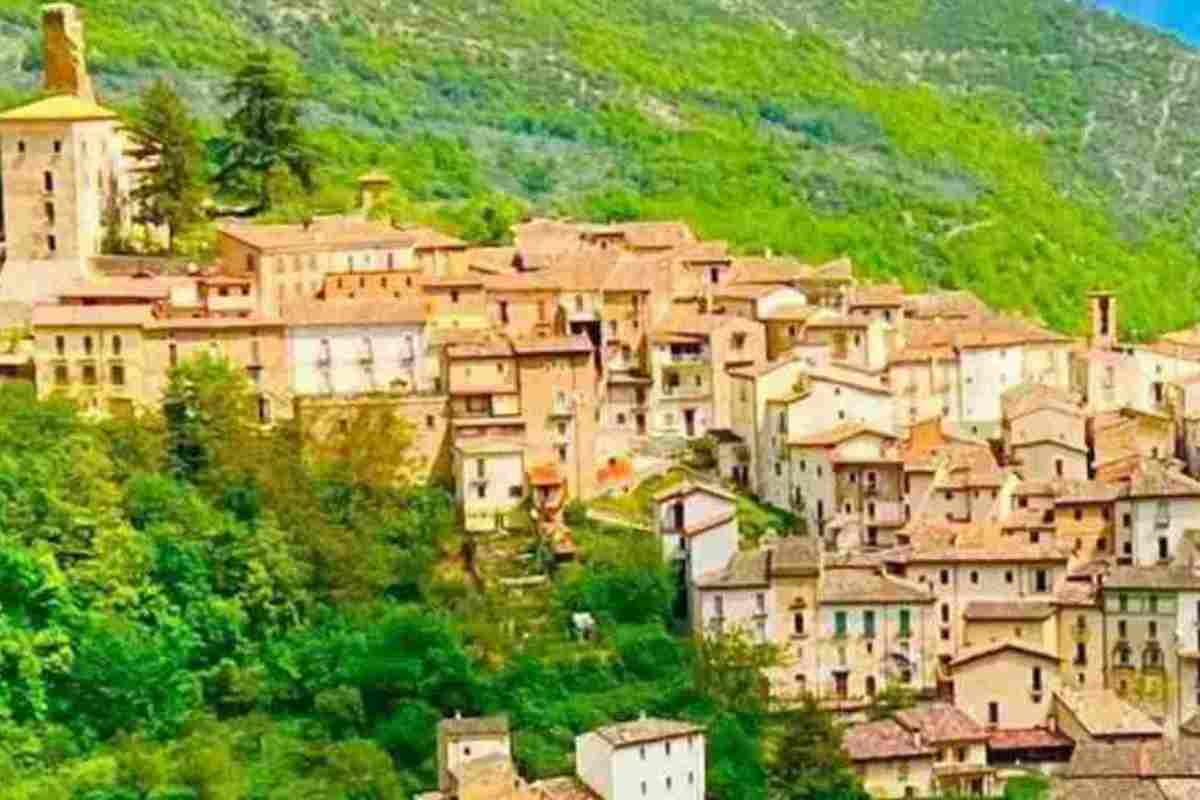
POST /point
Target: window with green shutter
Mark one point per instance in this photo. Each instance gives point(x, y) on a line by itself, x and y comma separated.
point(839, 624)
point(905, 622)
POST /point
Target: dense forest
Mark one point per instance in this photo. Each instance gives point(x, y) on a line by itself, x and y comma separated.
point(1027, 150)
point(194, 607)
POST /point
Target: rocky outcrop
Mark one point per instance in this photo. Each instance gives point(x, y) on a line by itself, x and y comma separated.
point(66, 66)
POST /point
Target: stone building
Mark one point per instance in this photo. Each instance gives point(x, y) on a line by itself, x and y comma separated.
point(290, 263)
point(1006, 684)
point(66, 176)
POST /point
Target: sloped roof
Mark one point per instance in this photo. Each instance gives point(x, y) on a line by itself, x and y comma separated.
point(1001, 610)
point(642, 731)
point(1103, 713)
point(993, 648)
point(853, 586)
point(474, 726)
point(838, 435)
point(59, 108)
point(746, 568)
point(128, 316)
point(881, 295)
point(882, 740)
point(322, 233)
point(1153, 479)
point(847, 376)
point(314, 313)
point(1156, 576)
point(941, 722)
point(688, 487)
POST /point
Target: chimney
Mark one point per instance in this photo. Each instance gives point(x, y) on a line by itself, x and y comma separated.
point(66, 65)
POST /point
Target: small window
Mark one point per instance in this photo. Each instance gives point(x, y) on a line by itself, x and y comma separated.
point(49, 209)
point(57, 146)
point(48, 182)
point(117, 375)
point(21, 147)
point(52, 243)
point(60, 345)
point(454, 296)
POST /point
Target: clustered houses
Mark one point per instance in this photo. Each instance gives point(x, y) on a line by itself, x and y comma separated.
point(991, 513)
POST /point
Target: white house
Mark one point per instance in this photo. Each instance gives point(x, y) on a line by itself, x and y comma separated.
point(646, 758)
point(357, 346)
point(698, 526)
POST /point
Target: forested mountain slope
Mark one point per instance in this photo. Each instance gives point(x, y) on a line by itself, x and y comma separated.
point(1027, 149)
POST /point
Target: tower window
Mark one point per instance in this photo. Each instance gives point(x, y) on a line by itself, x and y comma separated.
point(49, 207)
point(48, 181)
point(52, 243)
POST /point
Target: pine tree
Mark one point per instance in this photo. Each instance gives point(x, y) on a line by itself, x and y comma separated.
point(169, 185)
point(810, 763)
point(264, 131)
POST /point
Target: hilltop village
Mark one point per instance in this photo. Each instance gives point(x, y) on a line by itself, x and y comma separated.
point(1002, 519)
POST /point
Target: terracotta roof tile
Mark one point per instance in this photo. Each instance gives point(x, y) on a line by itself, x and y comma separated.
point(128, 316)
point(1102, 712)
point(970, 654)
point(882, 740)
point(941, 722)
point(642, 731)
point(1000, 610)
point(323, 233)
point(842, 586)
point(1027, 739)
point(838, 435)
point(356, 312)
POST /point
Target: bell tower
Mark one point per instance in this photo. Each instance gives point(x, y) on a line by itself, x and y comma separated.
point(1102, 315)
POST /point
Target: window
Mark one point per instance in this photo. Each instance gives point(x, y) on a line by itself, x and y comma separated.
point(1123, 603)
point(1041, 581)
point(60, 345)
point(870, 685)
point(48, 182)
point(117, 375)
point(454, 296)
point(49, 209)
point(1037, 679)
point(173, 354)
point(642, 753)
point(57, 146)
point(975, 578)
point(1008, 576)
point(798, 623)
point(905, 622)
point(60, 375)
point(839, 624)
point(869, 624)
point(945, 612)
point(87, 345)
point(264, 409)
point(993, 713)
point(1078, 514)
point(116, 345)
point(52, 243)
point(945, 577)
point(760, 603)
point(667, 747)
point(89, 375)
point(1153, 600)
point(562, 453)
point(1153, 629)
point(21, 147)
point(1122, 628)
point(1164, 549)
point(1126, 520)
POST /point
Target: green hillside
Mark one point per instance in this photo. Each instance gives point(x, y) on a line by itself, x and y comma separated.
point(1023, 148)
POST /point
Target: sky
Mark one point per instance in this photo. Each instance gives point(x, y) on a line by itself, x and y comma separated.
point(1179, 16)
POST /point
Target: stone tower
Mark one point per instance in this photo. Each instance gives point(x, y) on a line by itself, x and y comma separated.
point(66, 64)
point(1102, 314)
point(64, 166)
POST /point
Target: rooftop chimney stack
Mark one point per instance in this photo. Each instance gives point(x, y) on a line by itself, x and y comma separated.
point(66, 65)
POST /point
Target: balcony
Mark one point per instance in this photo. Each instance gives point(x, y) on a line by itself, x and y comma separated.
point(681, 391)
point(562, 407)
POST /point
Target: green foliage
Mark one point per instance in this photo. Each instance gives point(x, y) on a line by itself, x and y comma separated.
point(810, 763)
point(1027, 787)
point(264, 133)
point(893, 698)
point(168, 189)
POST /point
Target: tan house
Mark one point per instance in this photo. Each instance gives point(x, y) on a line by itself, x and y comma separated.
point(927, 750)
point(289, 263)
point(1006, 684)
point(95, 354)
point(689, 359)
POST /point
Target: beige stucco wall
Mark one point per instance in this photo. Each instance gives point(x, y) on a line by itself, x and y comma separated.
point(1006, 678)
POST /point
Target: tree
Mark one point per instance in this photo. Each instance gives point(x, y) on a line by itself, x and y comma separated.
point(169, 181)
point(894, 697)
point(810, 763)
point(264, 132)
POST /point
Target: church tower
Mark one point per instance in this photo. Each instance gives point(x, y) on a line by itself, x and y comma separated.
point(1102, 315)
point(64, 165)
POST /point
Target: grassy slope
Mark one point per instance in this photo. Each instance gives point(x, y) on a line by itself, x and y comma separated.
point(936, 141)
